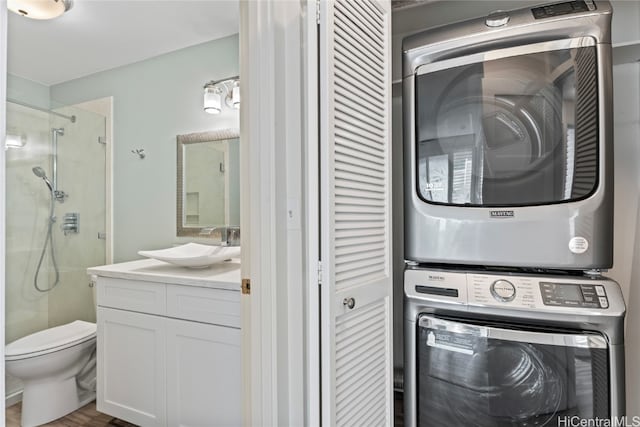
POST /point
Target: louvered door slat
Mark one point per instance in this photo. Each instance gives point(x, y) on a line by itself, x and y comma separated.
point(353, 152)
point(353, 142)
point(350, 382)
point(351, 362)
point(367, 142)
point(347, 32)
point(355, 212)
point(346, 76)
point(356, 68)
point(354, 12)
point(353, 208)
point(356, 9)
point(356, 133)
point(357, 92)
point(348, 144)
point(360, 104)
point(357, 242)
point(354, 115)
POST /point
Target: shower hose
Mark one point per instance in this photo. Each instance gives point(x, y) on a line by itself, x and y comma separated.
point(48, 241)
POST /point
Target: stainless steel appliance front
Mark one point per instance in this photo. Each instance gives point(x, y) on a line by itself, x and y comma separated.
point(492, 348)
point(508, 140)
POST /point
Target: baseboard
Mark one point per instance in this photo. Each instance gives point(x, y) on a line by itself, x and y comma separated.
point(86, 397)
point(13, 398)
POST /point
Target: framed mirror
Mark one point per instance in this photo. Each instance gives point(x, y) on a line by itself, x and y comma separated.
point(208, 190)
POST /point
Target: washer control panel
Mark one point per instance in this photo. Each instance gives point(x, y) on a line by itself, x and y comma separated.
point(574, 295)
point(516, 291)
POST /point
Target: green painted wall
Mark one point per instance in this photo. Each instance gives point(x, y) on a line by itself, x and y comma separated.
point(27, 91)
point(153, 101)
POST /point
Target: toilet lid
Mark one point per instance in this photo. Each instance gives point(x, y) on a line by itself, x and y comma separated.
point(49, 340)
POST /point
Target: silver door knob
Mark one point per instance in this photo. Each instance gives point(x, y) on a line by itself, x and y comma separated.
point(349, 302)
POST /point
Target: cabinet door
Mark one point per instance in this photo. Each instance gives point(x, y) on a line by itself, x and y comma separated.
point(131, 366)
point(203, 375)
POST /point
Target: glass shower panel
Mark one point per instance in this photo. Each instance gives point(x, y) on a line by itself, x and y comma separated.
point(81, 175)
point(27, 201)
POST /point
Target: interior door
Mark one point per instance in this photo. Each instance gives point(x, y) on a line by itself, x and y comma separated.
point(355, 156)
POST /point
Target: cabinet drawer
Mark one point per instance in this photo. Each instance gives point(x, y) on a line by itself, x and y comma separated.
point(215, 306)
point(133, 295)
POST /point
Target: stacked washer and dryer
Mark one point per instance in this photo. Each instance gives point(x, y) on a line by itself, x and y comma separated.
point(509, 221)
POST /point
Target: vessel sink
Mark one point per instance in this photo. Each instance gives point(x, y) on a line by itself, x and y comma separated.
point(194, 255)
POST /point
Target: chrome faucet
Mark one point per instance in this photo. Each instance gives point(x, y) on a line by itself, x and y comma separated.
point(229, 235)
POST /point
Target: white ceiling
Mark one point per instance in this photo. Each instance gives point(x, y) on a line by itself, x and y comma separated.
point(97, 35)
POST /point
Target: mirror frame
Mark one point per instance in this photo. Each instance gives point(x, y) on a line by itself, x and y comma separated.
point(182, 140)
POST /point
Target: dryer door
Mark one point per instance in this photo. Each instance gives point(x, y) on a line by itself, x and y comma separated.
point(487, 376)
point(509, 127)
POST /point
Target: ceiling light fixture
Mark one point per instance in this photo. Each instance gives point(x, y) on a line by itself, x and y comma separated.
point(39, 9)
point(217, 90)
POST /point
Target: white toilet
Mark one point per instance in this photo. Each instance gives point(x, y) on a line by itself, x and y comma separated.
point(48, 363)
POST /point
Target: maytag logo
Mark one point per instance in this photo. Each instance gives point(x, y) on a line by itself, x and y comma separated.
point(502, 214)
point(436, 277)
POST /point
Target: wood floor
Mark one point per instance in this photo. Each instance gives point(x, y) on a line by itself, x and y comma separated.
point(87, 416)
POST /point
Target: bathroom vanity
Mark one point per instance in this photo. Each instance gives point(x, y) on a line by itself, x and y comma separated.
point(169, 343)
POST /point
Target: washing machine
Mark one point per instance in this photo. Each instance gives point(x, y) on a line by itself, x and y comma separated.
point(508, 139)
point(504, 348)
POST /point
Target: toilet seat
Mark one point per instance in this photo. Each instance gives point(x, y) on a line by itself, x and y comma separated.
point(50, 340)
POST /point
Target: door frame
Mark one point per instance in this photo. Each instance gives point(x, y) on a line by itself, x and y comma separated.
point(3, 128)
point(278, 137)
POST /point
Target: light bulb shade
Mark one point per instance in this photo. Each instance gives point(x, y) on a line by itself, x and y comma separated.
point(212, 100)
point(39, 9)
point(235, 96)
point(15, 141)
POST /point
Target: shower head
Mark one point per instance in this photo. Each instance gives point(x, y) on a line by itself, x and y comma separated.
point(40, 173)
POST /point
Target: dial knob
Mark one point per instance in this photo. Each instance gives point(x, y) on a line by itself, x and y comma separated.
point(497, 19)
point(503, 290)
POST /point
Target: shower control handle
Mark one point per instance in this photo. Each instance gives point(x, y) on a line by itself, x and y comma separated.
point(71, 223)
point(349, 302)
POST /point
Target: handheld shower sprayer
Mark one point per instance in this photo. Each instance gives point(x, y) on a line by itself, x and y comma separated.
point(40, 173)
point(48, 241)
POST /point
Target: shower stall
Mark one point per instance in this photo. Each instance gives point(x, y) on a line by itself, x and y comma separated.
point(55, 218)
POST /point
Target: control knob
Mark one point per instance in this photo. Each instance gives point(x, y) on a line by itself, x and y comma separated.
point(503, 290)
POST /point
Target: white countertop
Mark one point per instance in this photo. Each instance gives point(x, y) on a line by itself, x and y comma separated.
point(224, 275)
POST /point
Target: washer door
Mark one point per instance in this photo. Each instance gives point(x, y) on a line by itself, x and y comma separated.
point(485, 376)
point(508, 131)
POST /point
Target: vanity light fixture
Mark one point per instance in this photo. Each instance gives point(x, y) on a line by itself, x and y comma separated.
point(217, 90)
point(39, 9)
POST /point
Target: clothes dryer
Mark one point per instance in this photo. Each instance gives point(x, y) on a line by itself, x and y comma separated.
point(508, 139)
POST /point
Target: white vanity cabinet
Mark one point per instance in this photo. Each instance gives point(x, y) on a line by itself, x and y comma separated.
point(168, 353)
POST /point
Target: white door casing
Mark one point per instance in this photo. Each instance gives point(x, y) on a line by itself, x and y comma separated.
point(3, 125)
point(355, 151)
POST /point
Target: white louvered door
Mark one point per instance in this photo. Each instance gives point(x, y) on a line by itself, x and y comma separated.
point(355, 152)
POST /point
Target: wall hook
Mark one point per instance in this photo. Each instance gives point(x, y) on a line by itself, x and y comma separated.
point(139, 152)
